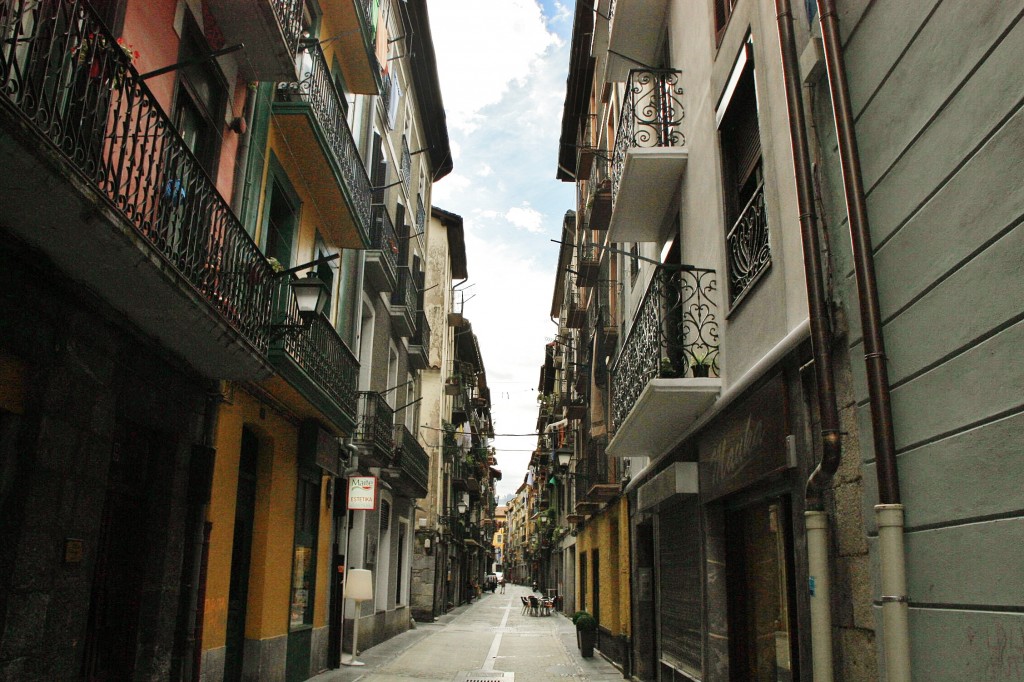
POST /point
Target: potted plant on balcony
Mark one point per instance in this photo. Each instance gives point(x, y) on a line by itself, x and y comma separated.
point(667, 370)
point(586, 633)
point(451, 385)
point(700, 366)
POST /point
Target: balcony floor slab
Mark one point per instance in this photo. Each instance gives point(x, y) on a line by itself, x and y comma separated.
point(648, 188)
point(665, 409)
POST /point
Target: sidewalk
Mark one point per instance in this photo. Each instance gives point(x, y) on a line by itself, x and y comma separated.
point(491, 635)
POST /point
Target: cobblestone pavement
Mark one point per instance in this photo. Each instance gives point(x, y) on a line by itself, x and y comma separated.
point(491, 635)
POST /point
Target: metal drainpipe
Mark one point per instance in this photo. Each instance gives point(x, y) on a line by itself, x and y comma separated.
point(242, 155)
point(831, 443)
point(889, 511)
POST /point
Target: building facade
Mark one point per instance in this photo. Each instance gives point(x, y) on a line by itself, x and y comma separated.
point(725, 324)
point(197, 419)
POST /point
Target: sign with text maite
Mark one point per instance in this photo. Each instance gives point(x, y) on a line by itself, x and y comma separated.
point(362, 493)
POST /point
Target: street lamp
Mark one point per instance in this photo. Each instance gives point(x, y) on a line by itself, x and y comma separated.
point(311, 294)
point(564, 455)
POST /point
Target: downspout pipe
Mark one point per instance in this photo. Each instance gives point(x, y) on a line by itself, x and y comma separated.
point(817, 301)
point(816, 520)
point(889, 511)
point(242, 155)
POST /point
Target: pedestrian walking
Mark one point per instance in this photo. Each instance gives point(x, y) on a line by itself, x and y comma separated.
point(502, 583)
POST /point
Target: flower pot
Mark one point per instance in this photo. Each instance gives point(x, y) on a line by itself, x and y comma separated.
point(700, 370)
point(588, 638)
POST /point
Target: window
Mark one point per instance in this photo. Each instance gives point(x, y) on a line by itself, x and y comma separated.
point(280, 215)
point(634, 262)
point(200, 100)
point(327, 272)
point(747, 246)
point(723, 12)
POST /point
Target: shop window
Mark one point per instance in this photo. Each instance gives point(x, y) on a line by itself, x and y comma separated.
point(307, 523)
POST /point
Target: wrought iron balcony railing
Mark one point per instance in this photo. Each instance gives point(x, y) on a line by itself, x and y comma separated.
point(317, 88)
point(592, 469)
point(320, 353)
point(748, 252)
point(383, 237)
point(385, 93)
point(75, 86)
point(367, 12)
point(413, 461)
point(588, 262)
point(404, 294)
point(652, 114)
point(289, 16)
point(406, 168)
point(575, 314)
point(375, 428)
point(421, 336)
point(675, 328)
point(585, 147)
point(421, 215)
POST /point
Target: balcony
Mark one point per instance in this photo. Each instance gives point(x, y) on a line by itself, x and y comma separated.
point(270, 31)
point(317, 373)
point(595, 475)
point(405, 170)
point(588, 263)
point(419, 343)
point(310, 114)
point(657, 392)
point(421, 215)
point(375, 430)
point(354, 41)
point(599, 203)
point(97, 180)
point(635, 30)
point(748, 252)
point(381, 261)
point(403, 302)
point(575, 313)
point(585, 147)
point(649, 156)
point(413, 464)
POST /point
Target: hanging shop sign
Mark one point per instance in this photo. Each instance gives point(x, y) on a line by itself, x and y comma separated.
point(747, 444)
point(362, 493)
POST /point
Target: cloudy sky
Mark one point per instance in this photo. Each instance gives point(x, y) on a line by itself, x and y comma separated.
point(502, 65)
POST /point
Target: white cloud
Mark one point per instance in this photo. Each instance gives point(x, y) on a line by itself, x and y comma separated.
point(526, 218)
point(502, 66)
point(482, 47)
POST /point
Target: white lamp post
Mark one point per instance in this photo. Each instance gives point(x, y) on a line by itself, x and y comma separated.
point(359, 588)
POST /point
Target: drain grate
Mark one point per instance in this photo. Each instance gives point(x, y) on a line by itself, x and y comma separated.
point(485, 676)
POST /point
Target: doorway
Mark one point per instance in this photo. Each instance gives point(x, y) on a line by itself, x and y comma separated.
point(241, 557)
point(759, 580)
point(122, 552)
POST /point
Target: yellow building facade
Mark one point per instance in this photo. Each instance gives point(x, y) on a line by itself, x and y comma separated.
point(602, 568)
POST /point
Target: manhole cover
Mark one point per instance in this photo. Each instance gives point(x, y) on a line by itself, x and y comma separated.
point(485, 676)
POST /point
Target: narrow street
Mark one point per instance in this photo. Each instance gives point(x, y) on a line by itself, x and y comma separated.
point(492, 635)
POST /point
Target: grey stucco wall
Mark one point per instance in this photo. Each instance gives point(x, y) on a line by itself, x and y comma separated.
point(941, 136)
